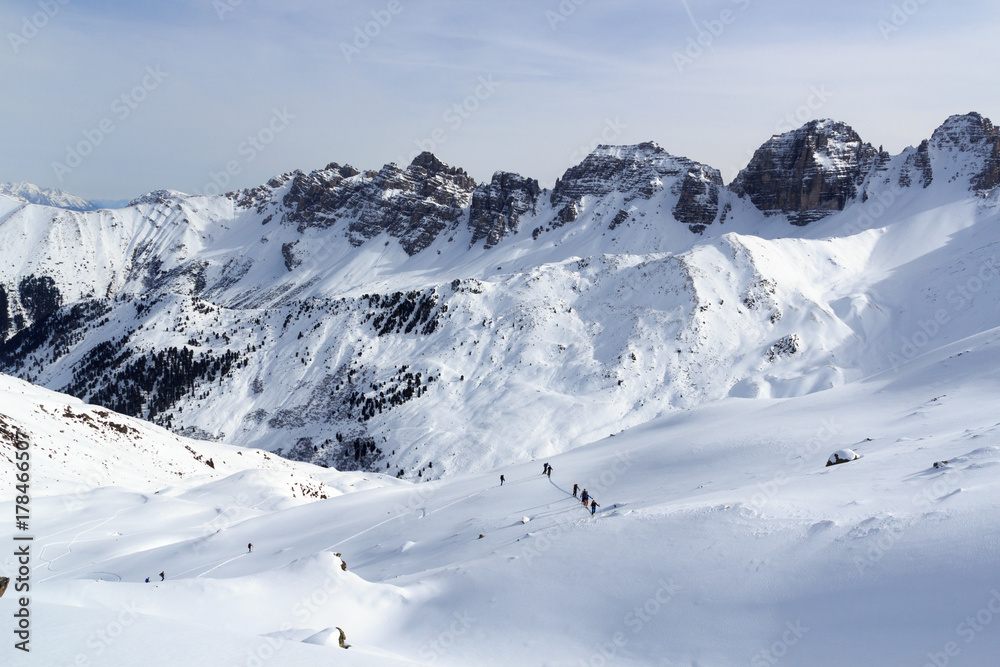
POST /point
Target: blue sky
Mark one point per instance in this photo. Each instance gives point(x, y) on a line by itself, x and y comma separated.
point(172, 94)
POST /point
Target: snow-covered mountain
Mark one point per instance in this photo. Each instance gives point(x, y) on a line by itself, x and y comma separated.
point(30, 193)
point(412, 321)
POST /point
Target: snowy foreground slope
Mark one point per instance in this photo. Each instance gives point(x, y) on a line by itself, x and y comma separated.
point(722, 539)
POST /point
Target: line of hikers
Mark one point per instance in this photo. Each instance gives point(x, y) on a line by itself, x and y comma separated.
point(588, 501)
point(547, 471)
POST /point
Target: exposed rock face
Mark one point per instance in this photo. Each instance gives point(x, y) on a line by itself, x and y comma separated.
point(288, 254)
point(158, 197)
point(498, 206)
point(917, 164)
point(807, 173)
point(979, 139)
point(315, 199)
point(638, 172)
point(413, 205)
point(698, 203)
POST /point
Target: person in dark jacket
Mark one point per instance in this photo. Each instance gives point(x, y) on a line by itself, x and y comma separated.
point(549, 473)
point(162, 576)
point(593, 507)
point(576, 487)
point(585, 497)
point(250, 548)
point(501, 480)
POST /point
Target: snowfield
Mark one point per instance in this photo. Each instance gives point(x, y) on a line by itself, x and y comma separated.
point(721, 539)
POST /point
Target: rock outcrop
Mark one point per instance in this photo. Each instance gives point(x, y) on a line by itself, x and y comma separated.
point(638, 172)
point(974, 142)
point(413, 205)
point(807, 173)
point(497, 206)
point(917, 166)
point(698, 202)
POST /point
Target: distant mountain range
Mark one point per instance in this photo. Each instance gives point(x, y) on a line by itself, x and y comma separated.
point(414, 321)
point(33, 194)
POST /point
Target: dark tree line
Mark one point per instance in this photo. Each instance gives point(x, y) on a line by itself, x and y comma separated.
point(152, 383)
point(4, 314)
point(402, 312)
point(402, 387)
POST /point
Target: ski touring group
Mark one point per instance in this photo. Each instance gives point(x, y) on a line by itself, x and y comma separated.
point(588, 501)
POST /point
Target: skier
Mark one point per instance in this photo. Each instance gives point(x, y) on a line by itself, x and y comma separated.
point(593, 507)
point(147, 580)
point(549, 473)
point(250, 548)
point(545, 469)
point(343, 639)
point(501, 480)
point(576, 487)
point(585, 497)
point(162, 576)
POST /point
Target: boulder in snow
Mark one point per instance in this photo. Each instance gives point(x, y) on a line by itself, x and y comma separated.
point(841, 456)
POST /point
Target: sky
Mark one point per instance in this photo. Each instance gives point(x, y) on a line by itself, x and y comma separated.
point(109, 99)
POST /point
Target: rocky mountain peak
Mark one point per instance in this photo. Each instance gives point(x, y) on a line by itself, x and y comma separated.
point(807, 173)
point(637, 171)
point(976, 137)
point(158, 197)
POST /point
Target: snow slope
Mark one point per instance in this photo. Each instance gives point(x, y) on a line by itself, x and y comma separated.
point(721, 539)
